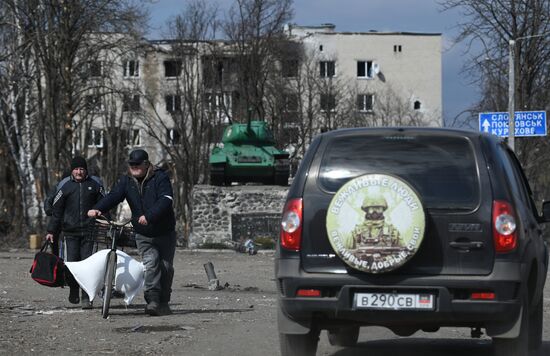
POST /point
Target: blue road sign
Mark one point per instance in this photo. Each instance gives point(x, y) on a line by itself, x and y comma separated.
point(527, 123)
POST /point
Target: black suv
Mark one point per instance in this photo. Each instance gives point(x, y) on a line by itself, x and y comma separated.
point(411, 229)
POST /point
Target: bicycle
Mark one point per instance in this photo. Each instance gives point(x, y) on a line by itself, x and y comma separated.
point(116, 234)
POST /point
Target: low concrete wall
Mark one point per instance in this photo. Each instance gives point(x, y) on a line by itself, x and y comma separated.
point(214, 207)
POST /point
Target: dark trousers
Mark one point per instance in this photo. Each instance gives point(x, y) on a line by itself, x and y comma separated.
point(78, 248)
point(157, 254)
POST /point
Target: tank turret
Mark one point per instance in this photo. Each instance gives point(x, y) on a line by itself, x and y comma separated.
point(248, 154)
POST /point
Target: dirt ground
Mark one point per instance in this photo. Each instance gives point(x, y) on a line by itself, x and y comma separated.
point(39, 319)
point(238, 320)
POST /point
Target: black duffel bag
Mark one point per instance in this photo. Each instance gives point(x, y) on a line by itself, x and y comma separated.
point(47, 268)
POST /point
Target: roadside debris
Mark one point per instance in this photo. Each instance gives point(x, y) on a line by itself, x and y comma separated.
point(248, 246)
point(213, 282)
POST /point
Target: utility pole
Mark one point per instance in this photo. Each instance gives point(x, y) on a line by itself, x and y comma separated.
point(511, 94)
point(512, 86)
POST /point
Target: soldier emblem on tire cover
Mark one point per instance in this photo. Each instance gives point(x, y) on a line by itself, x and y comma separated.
point(375, 223)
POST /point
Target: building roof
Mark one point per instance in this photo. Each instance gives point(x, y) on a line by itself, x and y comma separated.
point(329, 29)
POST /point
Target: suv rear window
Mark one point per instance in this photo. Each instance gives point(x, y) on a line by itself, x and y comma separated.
point(442, 169)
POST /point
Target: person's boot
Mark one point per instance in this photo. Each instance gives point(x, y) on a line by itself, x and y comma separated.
point(73, 295)
point(152, 308)
point(165, 309)
point(85, 301)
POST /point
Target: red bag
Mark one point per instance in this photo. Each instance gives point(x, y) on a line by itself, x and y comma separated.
point(48, 269)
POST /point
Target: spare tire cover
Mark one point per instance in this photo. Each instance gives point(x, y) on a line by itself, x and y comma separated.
point(375, 223)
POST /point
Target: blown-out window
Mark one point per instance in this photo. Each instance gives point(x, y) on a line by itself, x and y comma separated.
point(131, 103)
point(289, 68)
point(172, 69)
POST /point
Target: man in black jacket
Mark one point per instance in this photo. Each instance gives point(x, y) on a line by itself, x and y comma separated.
point(149, 194)
point(70, 206)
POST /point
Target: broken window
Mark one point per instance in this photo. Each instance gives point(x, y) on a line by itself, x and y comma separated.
point(365, 102)
point(93, 69)
point(327, 69)
point(173, 103)
point(131, 103)
point(417, 105)
point(290, 68)
point(328, 102)
point(218, 70)
point(172, 137)
point(131, 68)
point(95, 138)
point(172, 68)
point(365, 69)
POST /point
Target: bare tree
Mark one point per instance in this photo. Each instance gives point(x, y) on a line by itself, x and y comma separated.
point(323, 101)
point(184, 126)
point(490, 25)
point(52, 61)
point(255, 28)
point(18, 108)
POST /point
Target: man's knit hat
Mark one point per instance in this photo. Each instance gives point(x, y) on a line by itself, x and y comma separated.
point(78, 162)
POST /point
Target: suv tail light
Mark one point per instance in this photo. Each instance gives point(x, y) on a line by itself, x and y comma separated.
point(504, 226)
point(291, 225)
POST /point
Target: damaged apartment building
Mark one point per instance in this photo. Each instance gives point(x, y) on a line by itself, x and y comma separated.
point(319, 80)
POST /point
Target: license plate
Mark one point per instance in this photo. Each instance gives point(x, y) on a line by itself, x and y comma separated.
point(394, 301)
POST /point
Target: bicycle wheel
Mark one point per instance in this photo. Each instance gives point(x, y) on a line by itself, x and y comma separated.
point(108, 283)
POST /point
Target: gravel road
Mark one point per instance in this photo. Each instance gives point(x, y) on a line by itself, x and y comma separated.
point(236, 320)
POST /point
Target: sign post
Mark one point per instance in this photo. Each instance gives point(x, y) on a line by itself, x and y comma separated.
point(526, 123)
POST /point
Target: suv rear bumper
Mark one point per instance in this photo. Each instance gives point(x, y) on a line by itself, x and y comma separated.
point(453, 306)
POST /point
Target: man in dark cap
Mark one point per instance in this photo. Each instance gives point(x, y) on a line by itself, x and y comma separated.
point(149, 194)
point(71, 202)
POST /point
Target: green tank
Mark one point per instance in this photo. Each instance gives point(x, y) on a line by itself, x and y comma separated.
point(248, 155)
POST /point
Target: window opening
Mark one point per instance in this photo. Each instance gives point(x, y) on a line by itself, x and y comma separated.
point(172, 137)
point(365, 69)
point(365, 102)
point(327, 69)
point(95, 139)
point(173, 103)
point(131, 68)
point(172, 69)
point(131, 103)
point(328, 102)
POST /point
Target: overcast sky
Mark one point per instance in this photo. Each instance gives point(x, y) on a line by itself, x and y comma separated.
point(379, 15)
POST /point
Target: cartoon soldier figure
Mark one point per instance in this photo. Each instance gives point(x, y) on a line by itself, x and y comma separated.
point(374, 231)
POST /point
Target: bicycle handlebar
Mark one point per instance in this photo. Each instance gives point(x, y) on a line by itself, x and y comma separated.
point(111, 222)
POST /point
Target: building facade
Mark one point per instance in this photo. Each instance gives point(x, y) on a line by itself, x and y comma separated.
point(156, 92)
point(376, 65)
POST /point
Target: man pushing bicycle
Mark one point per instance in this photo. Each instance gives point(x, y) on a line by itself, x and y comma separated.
point(149, 194)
